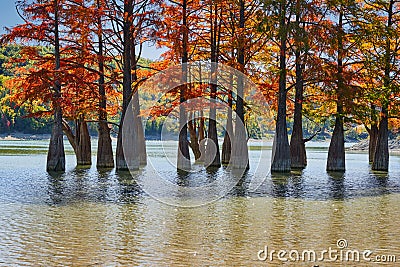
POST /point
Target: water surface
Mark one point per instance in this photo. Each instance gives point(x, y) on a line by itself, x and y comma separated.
point(90, 218)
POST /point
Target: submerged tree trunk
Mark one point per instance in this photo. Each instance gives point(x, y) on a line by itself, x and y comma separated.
point(183, 158)
point(83, 144)
point(373, 139)
point(56, 154)
point(126, 83)
point(202, 136)
point(213, 158)
point(240, 153)
point(105, 157)
point(336, 152)
point(281, 149)
point(80, 141)
point(141, 141)
point(373, 134)
point(227, 146)
point(381, 156)
point(298, 155)
point(229, 135)
point(120, 158)
point(140, 138)
point(194, 141)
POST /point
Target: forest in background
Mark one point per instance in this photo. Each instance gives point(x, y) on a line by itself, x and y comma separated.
point(15, 119)
point(326, 68)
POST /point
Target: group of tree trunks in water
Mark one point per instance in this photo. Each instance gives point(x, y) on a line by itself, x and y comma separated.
point(290, 39)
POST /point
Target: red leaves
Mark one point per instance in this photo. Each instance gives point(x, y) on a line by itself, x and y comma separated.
point(35, 67)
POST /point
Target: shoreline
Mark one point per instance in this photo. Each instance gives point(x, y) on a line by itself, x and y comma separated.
point(23, 136)
point(363, 146)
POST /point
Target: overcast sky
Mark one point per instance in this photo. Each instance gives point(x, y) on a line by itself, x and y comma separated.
point(9, 17)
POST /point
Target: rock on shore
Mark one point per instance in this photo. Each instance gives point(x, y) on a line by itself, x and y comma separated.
point(394, 145)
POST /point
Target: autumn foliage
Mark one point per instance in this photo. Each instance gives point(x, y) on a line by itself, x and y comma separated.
point(330, 64)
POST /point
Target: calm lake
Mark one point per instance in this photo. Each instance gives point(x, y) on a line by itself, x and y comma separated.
point(90, 218)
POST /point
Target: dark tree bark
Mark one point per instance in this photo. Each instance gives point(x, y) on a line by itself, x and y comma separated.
point(195, 132)
point(56, 154)
point(194, 141)
point(140, 138)
point(202, 136)
point(183, 144)
point(80, 141)
point(240, 153)
point(213, 157)
point(381, 156)
point(281, 149)
point(226, 145)
point(373, 135)
point(373, 139)
point(120, 158)
point(126, 83)
point(228, 140)
point(105, 157)
point(336, 152)
point(83, 142)
point(298, 155)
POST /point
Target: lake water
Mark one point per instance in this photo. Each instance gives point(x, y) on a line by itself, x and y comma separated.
point(90, 218)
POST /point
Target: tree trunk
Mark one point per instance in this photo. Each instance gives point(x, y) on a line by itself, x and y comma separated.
point(298, 155)
point(104, 146)
point(83, 144)
point(202, 136)
point(141, 141)
point(105, 157)
point(213, 155)
point(126, 83)
point(194, 142)
point(281, 149)
point(56, 154)
point(183, 162)
point(120, 159)
point(140, 138)
point(381, 157)
point(297, 146)
point(213, 158)
point(183, 158)
point(80, 141)
point(227, 146)
point(373, 139)
point(240, 153)
point(336, 152)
